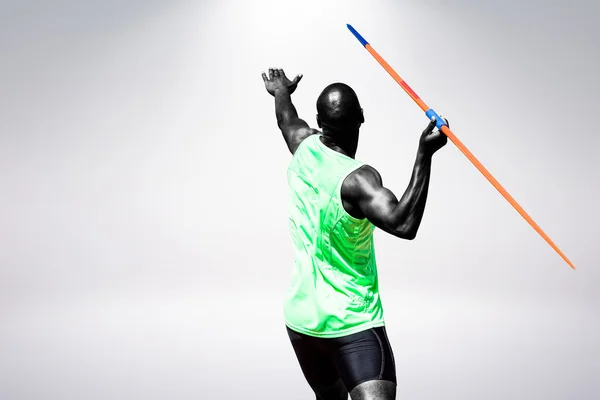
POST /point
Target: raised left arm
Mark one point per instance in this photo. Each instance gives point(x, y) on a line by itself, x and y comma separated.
point(293, 128)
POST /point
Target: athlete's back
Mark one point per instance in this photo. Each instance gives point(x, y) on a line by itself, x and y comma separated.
point(332, 309)
point(334, 289)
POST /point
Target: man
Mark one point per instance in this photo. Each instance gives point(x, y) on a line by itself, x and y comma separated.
point(333, 311)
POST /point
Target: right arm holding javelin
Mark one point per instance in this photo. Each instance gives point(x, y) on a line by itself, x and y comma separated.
point(365, 193)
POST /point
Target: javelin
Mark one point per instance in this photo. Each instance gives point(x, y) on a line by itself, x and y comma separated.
point(443, 127)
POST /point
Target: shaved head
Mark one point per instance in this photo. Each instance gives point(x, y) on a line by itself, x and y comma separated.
point(338, 107)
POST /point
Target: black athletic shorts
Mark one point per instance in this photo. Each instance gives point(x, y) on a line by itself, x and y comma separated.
point(355, 358)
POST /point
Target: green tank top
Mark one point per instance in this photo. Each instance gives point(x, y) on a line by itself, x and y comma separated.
point(334, 290)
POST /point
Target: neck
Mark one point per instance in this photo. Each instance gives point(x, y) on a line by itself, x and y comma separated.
point(345, 143)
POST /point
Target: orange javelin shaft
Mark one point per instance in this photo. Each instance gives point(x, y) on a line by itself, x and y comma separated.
point(443, 127)
point(503, 192)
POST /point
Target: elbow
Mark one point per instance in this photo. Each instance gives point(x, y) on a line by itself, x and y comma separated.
point(284, 126)
point(280, 124)
point(408, 229)
point(406, 234)
point(409, 236)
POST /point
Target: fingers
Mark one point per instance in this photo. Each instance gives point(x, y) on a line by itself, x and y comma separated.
point(430, 127)
point(433, 123)
point(278, 73)
point(297, 79)
point(447, 124)
point(438, 138)
point(443, 140)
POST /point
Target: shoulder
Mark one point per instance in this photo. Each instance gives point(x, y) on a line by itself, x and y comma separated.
point(360, 181)
point(299, 136)
point(363, 175)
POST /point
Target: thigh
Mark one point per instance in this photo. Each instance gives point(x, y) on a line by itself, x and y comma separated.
point(365, 356)
point(315, 360)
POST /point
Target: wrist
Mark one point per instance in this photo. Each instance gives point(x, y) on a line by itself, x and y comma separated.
point(423, 152)
point(282, 91)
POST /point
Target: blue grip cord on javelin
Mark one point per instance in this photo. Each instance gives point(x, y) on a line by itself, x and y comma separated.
point(439, 121)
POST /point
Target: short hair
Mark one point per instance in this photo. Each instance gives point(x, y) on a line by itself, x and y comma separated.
point(338, 106)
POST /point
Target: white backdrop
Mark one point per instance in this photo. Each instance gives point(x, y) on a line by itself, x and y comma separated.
point(143, 225)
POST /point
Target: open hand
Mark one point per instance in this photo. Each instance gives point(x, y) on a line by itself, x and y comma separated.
point(278, 81)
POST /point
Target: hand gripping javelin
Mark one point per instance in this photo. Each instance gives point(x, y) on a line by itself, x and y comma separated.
point(443, 127)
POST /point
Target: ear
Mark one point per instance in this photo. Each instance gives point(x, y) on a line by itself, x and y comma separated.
point(319, 122)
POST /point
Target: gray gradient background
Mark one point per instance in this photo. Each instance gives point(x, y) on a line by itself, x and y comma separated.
point(143, 226)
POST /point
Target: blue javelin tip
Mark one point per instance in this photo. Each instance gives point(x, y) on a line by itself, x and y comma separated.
point(357, 35)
